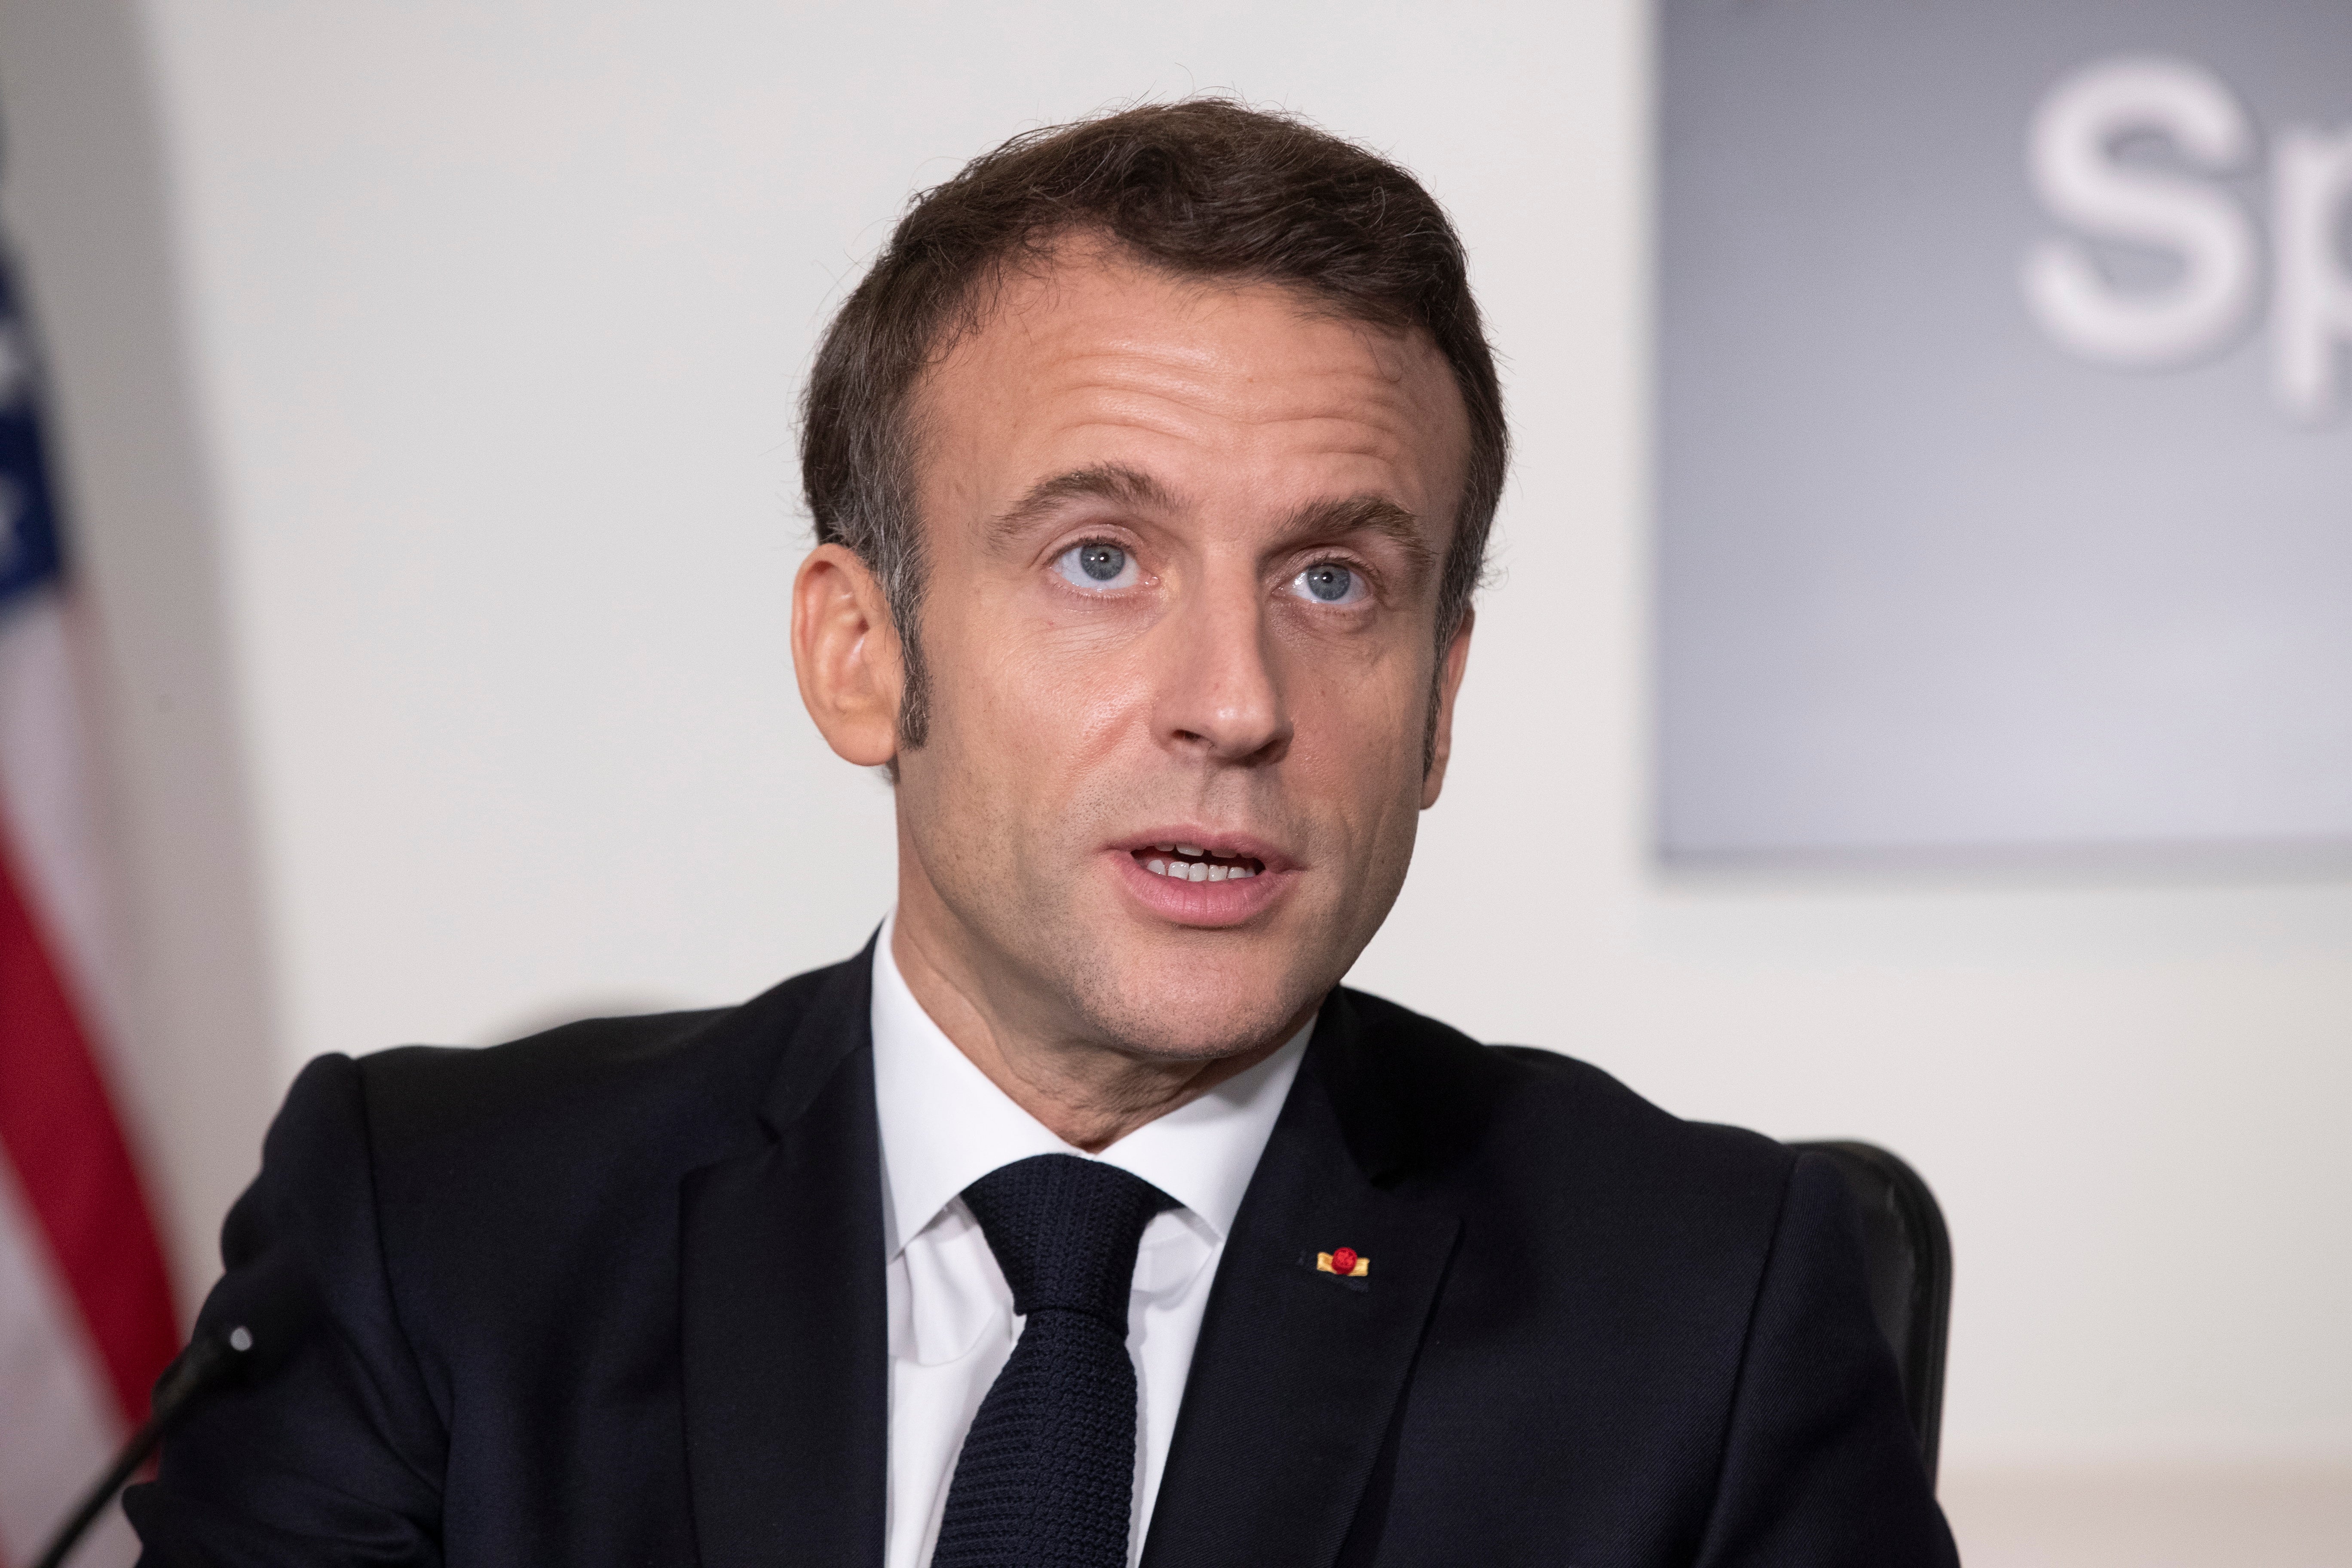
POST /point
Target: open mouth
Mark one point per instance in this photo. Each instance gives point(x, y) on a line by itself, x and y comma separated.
point(1195, 863)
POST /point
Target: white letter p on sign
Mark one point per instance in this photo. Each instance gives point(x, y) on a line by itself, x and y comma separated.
point(2312, 318)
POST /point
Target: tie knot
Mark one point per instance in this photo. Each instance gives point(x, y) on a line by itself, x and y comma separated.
point(1065, 1231)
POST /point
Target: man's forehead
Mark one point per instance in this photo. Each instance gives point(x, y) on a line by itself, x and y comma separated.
point(1091, 346)
point(1084, 280)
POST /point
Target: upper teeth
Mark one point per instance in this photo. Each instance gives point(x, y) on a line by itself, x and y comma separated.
point(1198, 871)
point(1189, 849)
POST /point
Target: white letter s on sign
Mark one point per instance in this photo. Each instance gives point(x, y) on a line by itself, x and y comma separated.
point(2071, 160)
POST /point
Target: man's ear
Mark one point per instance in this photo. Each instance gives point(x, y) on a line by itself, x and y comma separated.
point(845, 653)
point(1449, 682)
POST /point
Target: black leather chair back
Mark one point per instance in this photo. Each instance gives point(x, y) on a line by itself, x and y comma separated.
point(1909, 1256)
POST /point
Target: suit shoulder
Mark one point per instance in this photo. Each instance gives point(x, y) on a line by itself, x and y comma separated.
point(609, 1083)
point(421, 1084)
point(1548, 1113)
point(1558, 1086)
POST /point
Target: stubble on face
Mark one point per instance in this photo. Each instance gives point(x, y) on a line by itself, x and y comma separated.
point(1223, 441)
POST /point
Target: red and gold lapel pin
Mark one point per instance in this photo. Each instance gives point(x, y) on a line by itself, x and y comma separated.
point(1345, 1261)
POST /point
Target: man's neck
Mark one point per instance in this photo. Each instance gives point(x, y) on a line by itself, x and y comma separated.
point(1088, 1093)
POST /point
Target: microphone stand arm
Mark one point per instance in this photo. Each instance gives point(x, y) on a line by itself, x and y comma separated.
point(210, 1361)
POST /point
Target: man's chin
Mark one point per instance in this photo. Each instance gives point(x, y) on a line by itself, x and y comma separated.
point(1199, 1018)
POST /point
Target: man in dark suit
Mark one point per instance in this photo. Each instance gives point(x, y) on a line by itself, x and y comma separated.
point(1083, 1218)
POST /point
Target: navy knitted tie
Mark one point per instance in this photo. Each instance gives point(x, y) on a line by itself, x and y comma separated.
point(1049, 1468)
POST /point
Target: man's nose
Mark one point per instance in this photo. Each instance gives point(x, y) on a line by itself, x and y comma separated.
point(1217, 693)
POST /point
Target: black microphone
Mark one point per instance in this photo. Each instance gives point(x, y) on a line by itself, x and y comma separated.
point(258, 1318)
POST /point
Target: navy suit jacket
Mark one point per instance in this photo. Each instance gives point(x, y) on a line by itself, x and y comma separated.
point(613, 1295)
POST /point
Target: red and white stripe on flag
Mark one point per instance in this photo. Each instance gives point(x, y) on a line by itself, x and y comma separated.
point(86, 1313)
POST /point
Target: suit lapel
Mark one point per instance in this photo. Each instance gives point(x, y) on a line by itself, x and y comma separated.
point(1297, 1372)
point(785, 1338)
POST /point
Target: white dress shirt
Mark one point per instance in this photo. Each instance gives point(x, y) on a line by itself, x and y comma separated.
point(944, 1126)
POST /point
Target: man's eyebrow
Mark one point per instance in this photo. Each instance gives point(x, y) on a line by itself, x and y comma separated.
point(1104, 481)
point(1365, 514)
point(1320, 519)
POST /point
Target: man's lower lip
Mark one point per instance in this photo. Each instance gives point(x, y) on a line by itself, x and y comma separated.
point(1187, 902)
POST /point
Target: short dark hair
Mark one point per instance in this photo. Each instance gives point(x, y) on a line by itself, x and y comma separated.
point(1205, 187)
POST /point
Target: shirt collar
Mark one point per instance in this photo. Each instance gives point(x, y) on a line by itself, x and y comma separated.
point(944, 1125)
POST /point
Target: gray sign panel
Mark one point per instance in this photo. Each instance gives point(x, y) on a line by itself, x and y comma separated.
point(2005, 480)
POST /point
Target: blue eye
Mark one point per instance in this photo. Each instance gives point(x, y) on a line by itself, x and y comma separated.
point(1095, 564)
point(1328, 583)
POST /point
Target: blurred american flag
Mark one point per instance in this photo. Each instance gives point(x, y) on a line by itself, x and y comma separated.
point(86, 1313)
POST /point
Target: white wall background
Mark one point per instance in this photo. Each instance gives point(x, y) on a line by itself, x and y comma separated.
point(471, 335)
